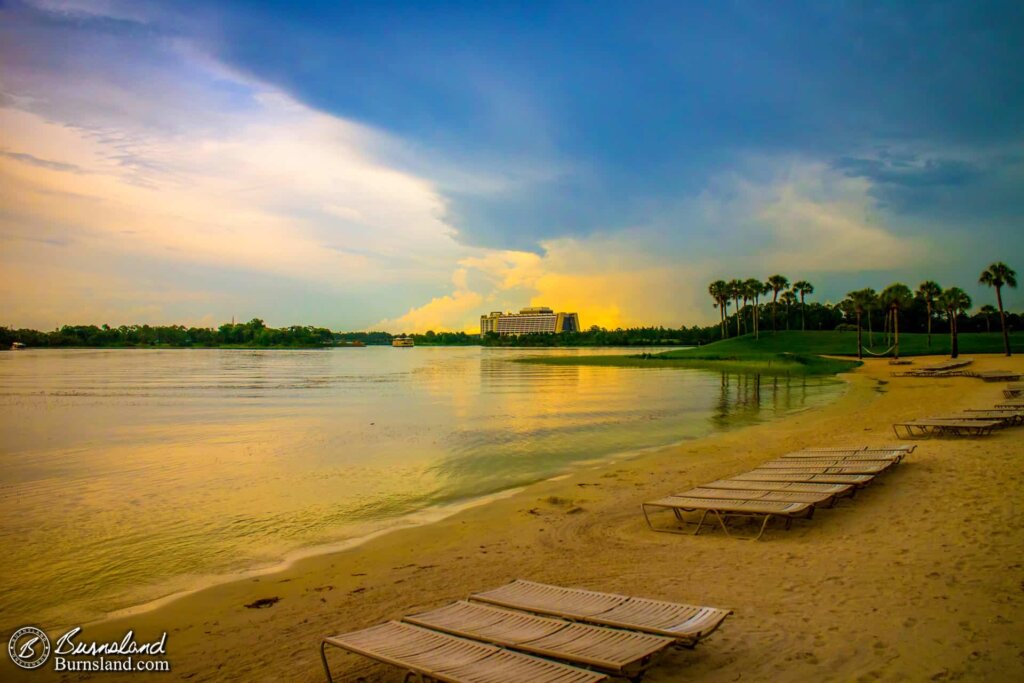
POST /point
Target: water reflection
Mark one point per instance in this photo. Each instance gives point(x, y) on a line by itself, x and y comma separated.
point(749, 398)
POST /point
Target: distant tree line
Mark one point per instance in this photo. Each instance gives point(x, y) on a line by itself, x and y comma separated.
point(255, 334)
point(251, 334)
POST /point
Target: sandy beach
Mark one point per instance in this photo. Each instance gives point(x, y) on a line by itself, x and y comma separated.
point(919, 577)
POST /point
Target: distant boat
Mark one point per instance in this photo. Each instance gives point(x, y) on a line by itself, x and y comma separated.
point(402, 342)
point(17, 346)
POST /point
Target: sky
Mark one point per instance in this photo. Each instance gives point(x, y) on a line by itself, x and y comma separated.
point(411, 165)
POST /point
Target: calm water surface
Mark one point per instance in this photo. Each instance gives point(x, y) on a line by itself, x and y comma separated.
point(127, 475)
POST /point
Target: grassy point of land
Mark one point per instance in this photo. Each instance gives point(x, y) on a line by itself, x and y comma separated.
point(789, 353)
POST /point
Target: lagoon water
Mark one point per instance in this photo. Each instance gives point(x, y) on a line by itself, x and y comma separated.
point(129, 475)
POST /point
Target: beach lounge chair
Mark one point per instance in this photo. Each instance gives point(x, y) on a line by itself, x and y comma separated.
point(1013, 390)
point(836, 490)
point(686, 624)
point(949, 368)
point(443, 657)
point(861, 456)
point(996, 375)
point(724, 509)
point(904, 447)
point(621, 653)
point(945, 427)
point(1011, 403)
point(865, 466)
point(827, 467)
point(858, 480)
point(818, 498)
point(1009, 418)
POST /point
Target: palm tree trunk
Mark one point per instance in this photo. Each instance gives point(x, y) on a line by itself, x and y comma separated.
point(896, 331)
point(860, 344)
point(954, 343)
point(871, 334)
point(803, 313)
point(929, 325)
point(775, 296)
point(1002, 320)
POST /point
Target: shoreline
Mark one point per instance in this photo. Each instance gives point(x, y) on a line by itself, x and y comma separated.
point(893, 585)
point(429, 515)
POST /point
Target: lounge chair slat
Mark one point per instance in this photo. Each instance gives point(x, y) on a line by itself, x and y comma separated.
point(803, 468)
point(854, 466)
point(788, 475)
point(739, 484)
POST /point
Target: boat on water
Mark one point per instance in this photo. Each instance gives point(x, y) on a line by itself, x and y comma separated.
point(402, 342)
point(17, 346)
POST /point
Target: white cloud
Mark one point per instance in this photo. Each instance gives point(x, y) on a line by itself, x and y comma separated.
point(801, 218)
point(197, 167)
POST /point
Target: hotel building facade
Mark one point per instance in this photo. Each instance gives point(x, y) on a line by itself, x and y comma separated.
point(535, 320)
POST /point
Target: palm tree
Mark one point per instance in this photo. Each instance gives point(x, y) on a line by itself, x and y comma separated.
point(988, 310)
point(997, 275)
point(894, 297)
point(954, 300)
point(870, 300)
point(777, 283)
point(852, 303)
point(803, 288)
point(788, 299)
point(735, 292)
point(755, 288)
point(764, 288)
point(928, 291)
point(719, 291)
point(862, 300)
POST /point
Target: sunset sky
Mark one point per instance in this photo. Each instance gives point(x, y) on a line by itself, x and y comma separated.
point(409, 166)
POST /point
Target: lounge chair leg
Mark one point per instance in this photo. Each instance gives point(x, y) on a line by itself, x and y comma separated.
point(701, 522)
point(643, 508)
point(323, 658)
point(721, 522)
point(764, 525)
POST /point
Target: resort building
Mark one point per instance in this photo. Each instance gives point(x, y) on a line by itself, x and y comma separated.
point(534, 320)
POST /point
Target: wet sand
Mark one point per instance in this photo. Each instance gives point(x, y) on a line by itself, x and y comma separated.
point(919, 577)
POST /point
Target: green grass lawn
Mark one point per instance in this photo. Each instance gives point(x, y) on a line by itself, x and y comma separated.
point(789, 353)
point(845, 343)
